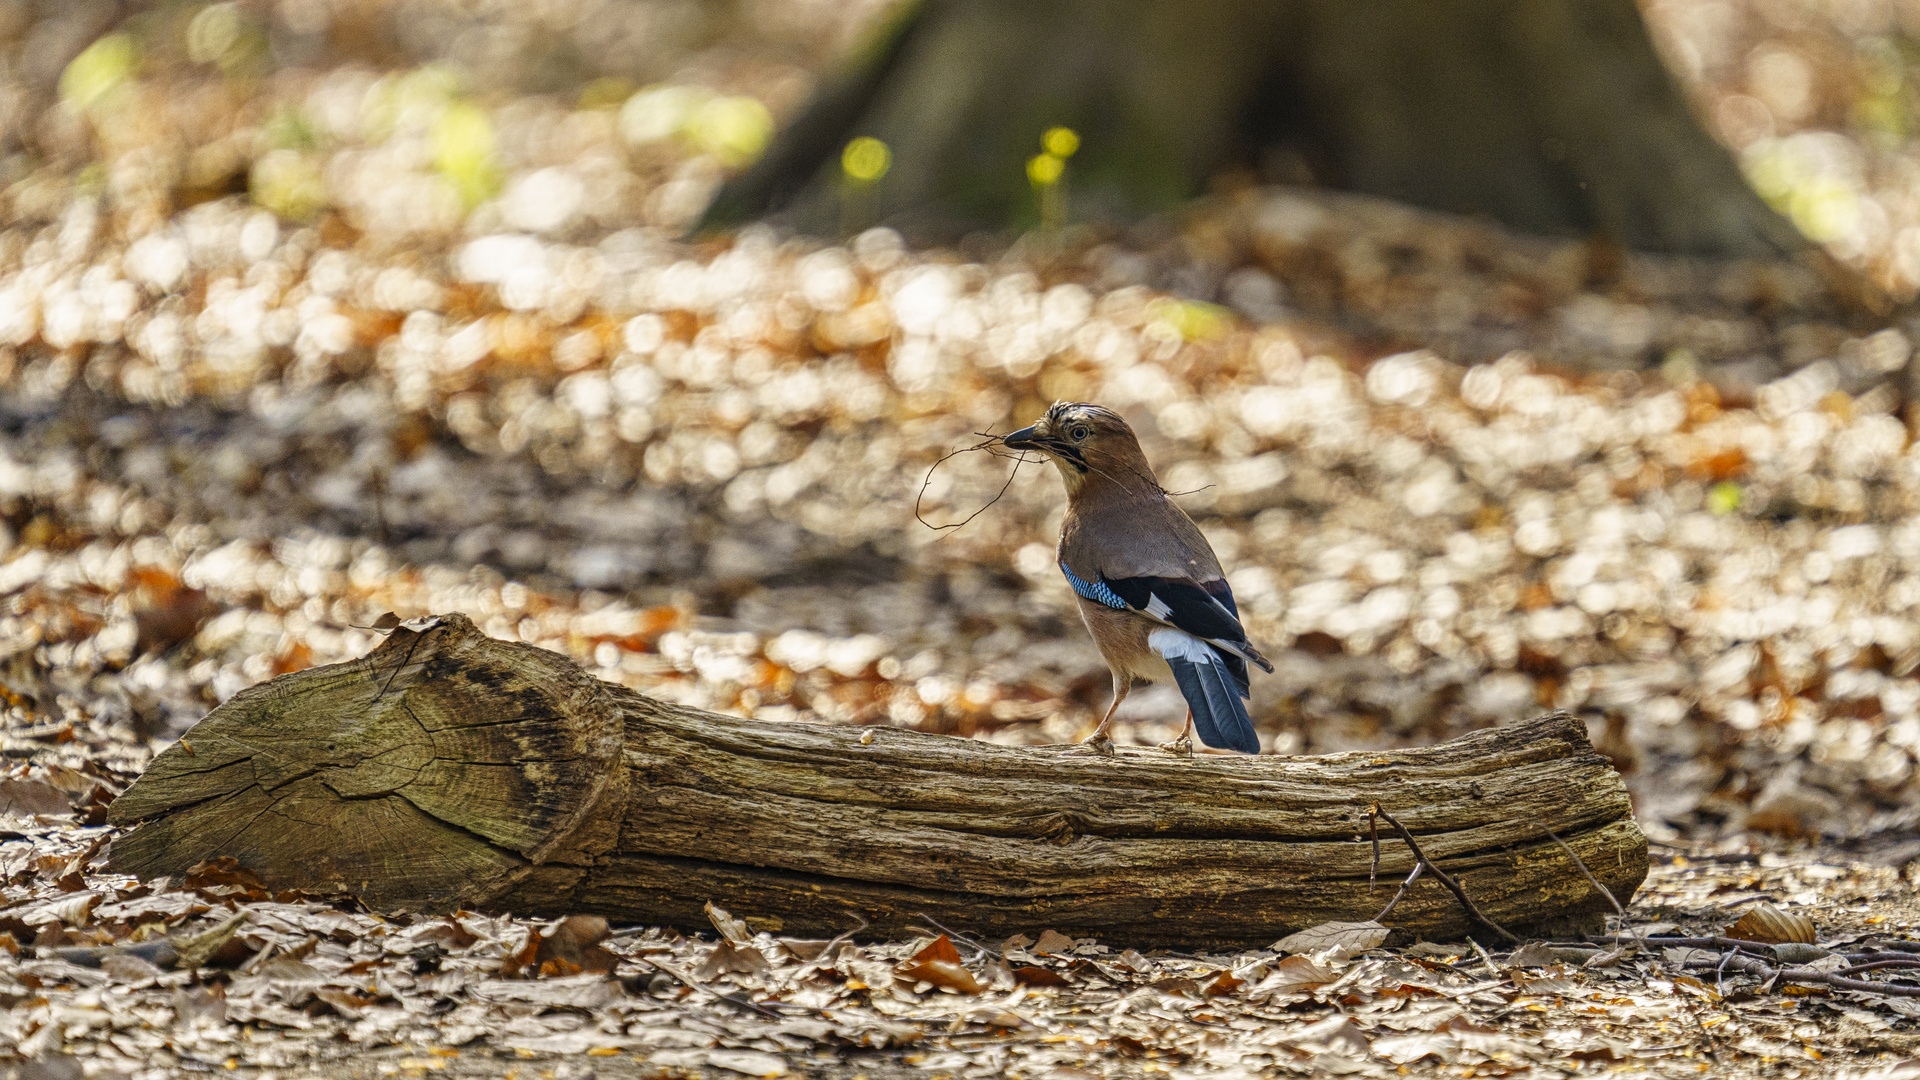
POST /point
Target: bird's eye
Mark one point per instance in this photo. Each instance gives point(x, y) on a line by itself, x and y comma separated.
point(1079, 432)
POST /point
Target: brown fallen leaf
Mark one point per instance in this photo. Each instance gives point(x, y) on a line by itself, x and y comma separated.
point(728, 927)
point(1178, 984)
point(1534, 954)
point(572, 946)
point(165, 610)
point(938, 962)
point(224, 878)
point(129, 969)
point(201, 1005)
point(1295, 974)
point(350, 1004)
point(1053, 943)
point(1354, 936)
point(1031, 975)
point(1223, 984)
point(1769, 925)
point(32, 797)
point(736, 958)
point(1696, 987)
point(943, 973)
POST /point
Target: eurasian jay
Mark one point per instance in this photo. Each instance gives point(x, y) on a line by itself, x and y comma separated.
point(1150, 588)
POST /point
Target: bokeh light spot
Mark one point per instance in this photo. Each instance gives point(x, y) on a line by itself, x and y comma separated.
point(1192, 320)
point(290, 184)
point(1044, 170)
point(1724, 498)
point(866, 159)
point(660, 112)
point(1061, 142)
point(734, 129)
point(213, 34)
point(463, 152)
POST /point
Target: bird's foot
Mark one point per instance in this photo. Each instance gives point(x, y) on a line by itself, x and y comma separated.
point(1182, 746)
point(1099, 743)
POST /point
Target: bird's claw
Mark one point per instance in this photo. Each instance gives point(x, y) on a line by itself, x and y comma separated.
point(1099, 743)
point(1182, 746)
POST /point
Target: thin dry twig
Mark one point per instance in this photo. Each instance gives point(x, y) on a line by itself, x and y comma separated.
point(826, 954)
point(737, 1000)
point(1444, 878)
point(1591, 880)
point(990, 441)
point(1806, 976)
point(1373, 871)
point(956, 935)
point(1880, 965)
point(1419, 867)
point(1674, 942)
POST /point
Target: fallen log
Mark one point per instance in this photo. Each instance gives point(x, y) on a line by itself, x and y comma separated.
point(446, 769)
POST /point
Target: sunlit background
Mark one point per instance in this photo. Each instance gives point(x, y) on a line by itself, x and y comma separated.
point(310, 311)
point(563, 119)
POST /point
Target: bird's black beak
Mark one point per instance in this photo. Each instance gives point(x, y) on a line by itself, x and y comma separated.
point(1021, 440)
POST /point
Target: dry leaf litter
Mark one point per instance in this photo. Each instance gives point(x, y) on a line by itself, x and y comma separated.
point(450, 356)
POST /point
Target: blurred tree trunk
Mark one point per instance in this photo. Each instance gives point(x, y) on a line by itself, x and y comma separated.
point(1552, 116)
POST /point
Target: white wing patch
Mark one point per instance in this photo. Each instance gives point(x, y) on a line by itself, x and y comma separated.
point(1180, 645)
point(1157, 607)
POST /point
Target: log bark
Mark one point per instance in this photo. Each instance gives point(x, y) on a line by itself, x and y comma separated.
point(446, 769)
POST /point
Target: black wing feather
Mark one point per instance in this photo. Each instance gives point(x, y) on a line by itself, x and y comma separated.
point(1205, 611)
point(1189, 607)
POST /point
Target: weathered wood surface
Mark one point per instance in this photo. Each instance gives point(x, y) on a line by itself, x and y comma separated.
point(447, 769)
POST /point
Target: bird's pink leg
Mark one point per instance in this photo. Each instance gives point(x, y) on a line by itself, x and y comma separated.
point(1100, 742)
point(1183, 744)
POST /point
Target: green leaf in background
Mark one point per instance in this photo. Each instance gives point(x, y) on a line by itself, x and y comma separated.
point(99, 70)
point(464, 152)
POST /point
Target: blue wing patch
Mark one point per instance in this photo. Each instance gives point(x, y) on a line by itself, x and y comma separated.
point(1095, 591)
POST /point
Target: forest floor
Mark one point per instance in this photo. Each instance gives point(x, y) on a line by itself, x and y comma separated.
point(448, 353)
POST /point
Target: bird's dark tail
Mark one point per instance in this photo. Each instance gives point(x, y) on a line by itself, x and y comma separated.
point(1219, 716)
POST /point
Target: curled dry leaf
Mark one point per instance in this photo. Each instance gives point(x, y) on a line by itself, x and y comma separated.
point(1295, 974)
point(1769, 925)
point(734, 930)
point(1223, 984)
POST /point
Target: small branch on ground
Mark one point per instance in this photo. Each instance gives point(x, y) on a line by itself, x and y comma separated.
point(1443, 877)
point(1418, 869)
point(1588, 874)
point(1804, 976)
point(740, 1001)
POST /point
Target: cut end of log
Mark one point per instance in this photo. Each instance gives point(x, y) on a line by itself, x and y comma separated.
point(446, 769)
point(436, 770)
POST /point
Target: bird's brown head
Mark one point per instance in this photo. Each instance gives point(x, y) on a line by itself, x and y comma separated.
point(1089, 444)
